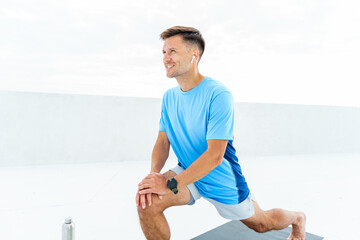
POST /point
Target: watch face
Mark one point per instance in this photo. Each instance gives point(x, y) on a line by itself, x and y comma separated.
point(172, 183)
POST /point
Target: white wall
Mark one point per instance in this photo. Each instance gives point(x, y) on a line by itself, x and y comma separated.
point(38, 128)
point(42, 128)
point(282, 129)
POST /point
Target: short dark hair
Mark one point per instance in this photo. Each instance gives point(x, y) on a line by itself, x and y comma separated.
point(189, 34)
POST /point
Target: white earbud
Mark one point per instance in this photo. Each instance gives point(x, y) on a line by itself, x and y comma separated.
point(192, 60)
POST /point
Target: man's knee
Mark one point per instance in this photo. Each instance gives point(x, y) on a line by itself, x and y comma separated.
point(156, 207)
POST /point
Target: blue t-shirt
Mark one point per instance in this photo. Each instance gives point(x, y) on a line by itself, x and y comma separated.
point(190, 119)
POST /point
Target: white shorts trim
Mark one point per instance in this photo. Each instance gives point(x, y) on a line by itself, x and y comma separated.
point(194, 192)
point(240, 211)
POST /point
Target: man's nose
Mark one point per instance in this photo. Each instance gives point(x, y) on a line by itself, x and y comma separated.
point(166, 57)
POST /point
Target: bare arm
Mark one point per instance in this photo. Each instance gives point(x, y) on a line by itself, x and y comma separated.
point(159, 156)
point(160, 152)
point(210, 159)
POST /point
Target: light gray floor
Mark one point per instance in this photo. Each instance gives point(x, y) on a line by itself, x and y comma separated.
point(100, 197)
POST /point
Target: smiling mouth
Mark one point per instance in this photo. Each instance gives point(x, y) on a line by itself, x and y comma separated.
point(168, 67)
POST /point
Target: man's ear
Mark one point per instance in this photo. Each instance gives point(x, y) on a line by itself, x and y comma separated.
point(195, 56)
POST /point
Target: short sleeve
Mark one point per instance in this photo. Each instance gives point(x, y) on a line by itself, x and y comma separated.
point(162, 127)
point(221, 117)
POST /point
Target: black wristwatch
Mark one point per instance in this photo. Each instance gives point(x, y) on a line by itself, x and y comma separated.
point(172, 184)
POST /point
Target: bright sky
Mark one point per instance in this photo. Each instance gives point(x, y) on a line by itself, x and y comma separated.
point(278, 51)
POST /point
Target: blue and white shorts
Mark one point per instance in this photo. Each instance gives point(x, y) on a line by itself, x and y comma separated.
point(240, 211)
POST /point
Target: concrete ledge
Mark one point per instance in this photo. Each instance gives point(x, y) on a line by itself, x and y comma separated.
point(264, 129)
point(44, 128)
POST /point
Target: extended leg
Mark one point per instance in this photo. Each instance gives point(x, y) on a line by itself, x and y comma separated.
point(276, 219)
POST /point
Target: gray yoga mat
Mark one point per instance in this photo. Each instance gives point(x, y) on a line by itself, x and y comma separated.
point(237, 230)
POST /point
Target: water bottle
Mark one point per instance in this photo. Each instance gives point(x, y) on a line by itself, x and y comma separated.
point(68, 230)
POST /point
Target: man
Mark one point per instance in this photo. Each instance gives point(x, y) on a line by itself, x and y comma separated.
point(197, 119)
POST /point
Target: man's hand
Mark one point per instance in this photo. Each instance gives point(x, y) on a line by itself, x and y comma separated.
point(154, 183)
point(142, 198)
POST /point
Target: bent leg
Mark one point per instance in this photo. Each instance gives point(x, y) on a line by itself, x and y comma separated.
point(152, 219)
point(277, 219)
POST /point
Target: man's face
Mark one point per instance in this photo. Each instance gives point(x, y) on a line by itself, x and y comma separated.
point(177, 56)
